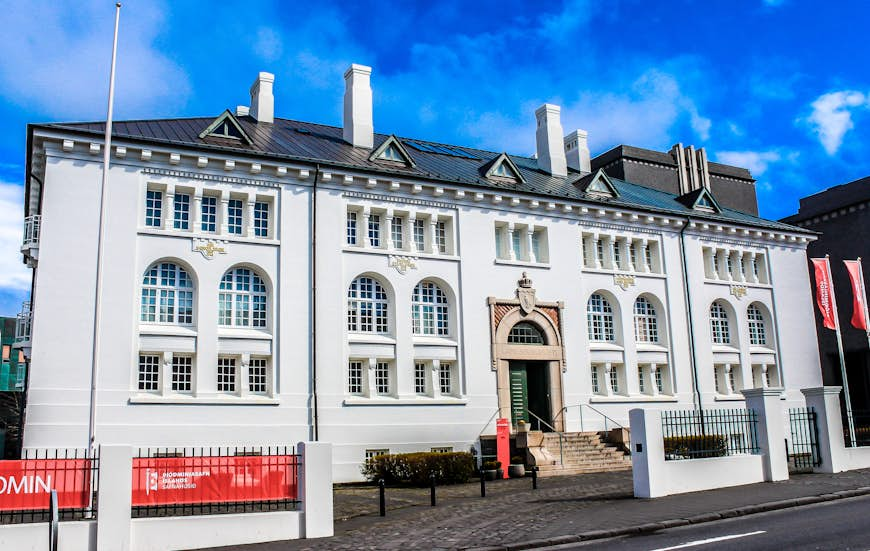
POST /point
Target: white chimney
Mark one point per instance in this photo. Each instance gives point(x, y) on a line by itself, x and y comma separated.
point(242, 110)
point(358, 126)
point(551, 149)
point(262, 100)
point(577, 151)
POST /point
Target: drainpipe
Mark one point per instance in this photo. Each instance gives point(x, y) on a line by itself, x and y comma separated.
point(692, 358)
point(313, 340)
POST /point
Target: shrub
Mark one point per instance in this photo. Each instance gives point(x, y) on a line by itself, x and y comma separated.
point(414, 468)
point(696, 446)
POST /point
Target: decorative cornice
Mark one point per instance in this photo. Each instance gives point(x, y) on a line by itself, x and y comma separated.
point(209, 177)
point(394, 199)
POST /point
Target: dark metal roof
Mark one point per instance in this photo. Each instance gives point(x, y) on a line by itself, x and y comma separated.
point(316, 143)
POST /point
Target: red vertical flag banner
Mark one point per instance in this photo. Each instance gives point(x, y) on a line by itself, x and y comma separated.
point(859, 298)
point(825, 292)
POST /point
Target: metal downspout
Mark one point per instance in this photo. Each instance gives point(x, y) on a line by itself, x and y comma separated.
point(692, 358)
point(313, 341)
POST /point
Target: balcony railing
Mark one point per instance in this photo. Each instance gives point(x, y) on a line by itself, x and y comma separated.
point(23, 324)
point(31, 231)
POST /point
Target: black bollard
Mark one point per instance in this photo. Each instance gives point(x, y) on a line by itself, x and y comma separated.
point(383, 498)
point(534, 478)
point(482, 485)
point(432, 489)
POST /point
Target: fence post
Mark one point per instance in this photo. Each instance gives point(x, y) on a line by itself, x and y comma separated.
point(832, 446)
point(315, 488)
point(647, 452)
point(115, 498)
point(771, 432)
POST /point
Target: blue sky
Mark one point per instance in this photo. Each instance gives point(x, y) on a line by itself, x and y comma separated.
point(779, 86)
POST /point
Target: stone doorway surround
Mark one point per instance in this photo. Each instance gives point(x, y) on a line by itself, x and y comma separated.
point(547, 316)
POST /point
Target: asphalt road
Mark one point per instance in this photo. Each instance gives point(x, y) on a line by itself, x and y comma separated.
point(837, 525)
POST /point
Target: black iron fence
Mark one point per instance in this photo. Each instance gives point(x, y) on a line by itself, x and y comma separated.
point(861, 422)
point(803, 448)
point(698, 434)
point(26, 484)
point(209, 481)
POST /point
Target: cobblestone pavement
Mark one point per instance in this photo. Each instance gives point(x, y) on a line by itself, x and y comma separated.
point(513, 512)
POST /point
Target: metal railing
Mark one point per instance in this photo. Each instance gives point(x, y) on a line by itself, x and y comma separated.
point(23, 323)
point(552, 429)
point(31, 231)
point(607, 420)
point(803, 451)
point(861, 421)
point(695, 434)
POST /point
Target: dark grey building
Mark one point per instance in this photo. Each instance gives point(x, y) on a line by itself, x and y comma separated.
point(842, 215)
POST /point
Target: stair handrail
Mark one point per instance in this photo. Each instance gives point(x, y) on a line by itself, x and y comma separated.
point(561, 448)
point(599, 412)
point(491, 417)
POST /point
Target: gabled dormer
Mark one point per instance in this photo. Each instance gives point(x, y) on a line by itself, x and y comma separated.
point(393, 152)
point(503, 169)
point(598, 185)
point(700, 199)
point(226, 127)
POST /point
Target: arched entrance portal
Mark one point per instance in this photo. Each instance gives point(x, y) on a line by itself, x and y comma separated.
point(528, 357)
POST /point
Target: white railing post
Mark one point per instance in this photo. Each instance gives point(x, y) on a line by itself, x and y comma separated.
point(832, 445)
point(770, 430)
point(115, 498)
point(647, 452)
point(315, 489)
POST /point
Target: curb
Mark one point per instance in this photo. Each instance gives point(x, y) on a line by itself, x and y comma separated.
point(673, 523)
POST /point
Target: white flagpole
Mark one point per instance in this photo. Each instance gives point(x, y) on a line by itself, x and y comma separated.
point(107, 145)
point(864, 299)
point(840, 350)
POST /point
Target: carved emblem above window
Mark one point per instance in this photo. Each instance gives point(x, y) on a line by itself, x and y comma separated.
point(526, 294)
point(403, 263)
point(209, 247)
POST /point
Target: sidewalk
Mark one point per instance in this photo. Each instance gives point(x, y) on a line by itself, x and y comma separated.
point(566, 506)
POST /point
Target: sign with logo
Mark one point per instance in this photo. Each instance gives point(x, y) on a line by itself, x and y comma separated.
point(825, 293)
point(503, 442)
point(177, 480)
point(26, 484)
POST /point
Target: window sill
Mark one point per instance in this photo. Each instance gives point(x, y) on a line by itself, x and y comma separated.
point(399, 252)
point(158, 329)
point(526, 263)
point(725, 349)
point(436, 341)
point(176, 399)
point(761, 350)
point(631, 399)
point(733, 282)
point(610, 347)
point(370, 338)
point(232, 238)
point(419, 401)
point(233, 333)
point(728, 398)
point(648, 347)
point(606, 271)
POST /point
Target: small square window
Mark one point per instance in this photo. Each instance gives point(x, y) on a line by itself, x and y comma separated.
point(154, 208)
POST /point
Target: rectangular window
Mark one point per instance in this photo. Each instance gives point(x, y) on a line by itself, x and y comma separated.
point(617, 254)
point(614, 380)
point(732, 380)
point(718, 374)
point(354, 377)
point(374, 230)
point(516, 244)
point(209, 214)
point(371, 454)
point(258, 380)
point(261, 219)
point(181, 216)
point(499, 242)
point(647, 256)
point(443, 449)
point(351, 228)
point(226, 375)
point(149, 372)
point(595, 386)
point(154, 208)
point(632, 255)
point(419, 235)
point(660, 384)
point(382, 378)
point(398, 232)
point(182, 374)
point(441, 236)
point(640, 379)
point(536, 246)
point(445, 378)
point(234, 216)
point(420, 378)
point(599, 251)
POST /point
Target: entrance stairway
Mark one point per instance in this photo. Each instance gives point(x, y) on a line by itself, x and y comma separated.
point(581, 452)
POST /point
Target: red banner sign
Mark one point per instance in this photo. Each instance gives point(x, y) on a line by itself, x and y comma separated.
point(26, 484)
point(859, 298)
point(176, 480)
point(825, 292)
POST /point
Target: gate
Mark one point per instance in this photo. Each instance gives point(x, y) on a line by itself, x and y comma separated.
point(803, 450)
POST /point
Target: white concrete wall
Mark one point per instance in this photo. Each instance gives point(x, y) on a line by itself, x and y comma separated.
point(72, 536)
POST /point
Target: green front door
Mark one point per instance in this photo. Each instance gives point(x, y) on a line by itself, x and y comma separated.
point(519, 392)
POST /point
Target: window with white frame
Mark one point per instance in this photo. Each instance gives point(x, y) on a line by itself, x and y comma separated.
point(441, 236)
point(374, 230)
point(419, 235)
point(599, 252)
point(181, 214)
point(351, 232)
point(517, 244)
point(149, 373)
point(445, 377)
point(525, 333)
point(398, 232)
point(420, 378)
point(641, 379)
point(208, 211)
point(645, 321)
point(430, 310)
point(235, 216)
point(599, 317)
point(167, 295)
point(616, 252)
point(383, 383)
point(659, 379)
point(154, 208)
point(367, 306)
point(500, 241)
point(354, 377)
point(261, 219)
point(182, 374)
point(371, 454)
point(614, 380)
point(596, 387)
point(719, 324)
point(258, 376)
point(442, 449)
point(757, 333)
point(226, 374)
point(242, 301)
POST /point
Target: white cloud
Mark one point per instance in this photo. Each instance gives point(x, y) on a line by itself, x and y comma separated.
point(832, 114)
point(14, 276)
point(756, 161)
point(268, 44)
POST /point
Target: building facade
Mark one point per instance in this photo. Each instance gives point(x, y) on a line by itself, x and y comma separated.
point(268, 280)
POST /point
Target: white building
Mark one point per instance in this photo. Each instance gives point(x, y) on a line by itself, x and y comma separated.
point(267, 281)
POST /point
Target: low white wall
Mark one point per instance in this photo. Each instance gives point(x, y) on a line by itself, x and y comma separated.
point(858, 458)
point(197, 532)
point(72, 536)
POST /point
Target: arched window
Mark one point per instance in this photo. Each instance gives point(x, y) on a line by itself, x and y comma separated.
point(167, 295)
point(719, 324)
point(242, 300)
point(525, 333)
point(599, 317)
point(367, 306)
point(646, 328)
point(429, 310)
point(757, 332)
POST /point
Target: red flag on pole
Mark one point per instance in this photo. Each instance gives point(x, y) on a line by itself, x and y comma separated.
point(825, 292)
point(859, 298)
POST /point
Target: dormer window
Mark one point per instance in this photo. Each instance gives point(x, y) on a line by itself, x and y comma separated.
point(503, 171)
point(502, 168)
point(226, 127)
point(700, 199)
point(704, 204)
point(393, 152)
point(600, 186)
